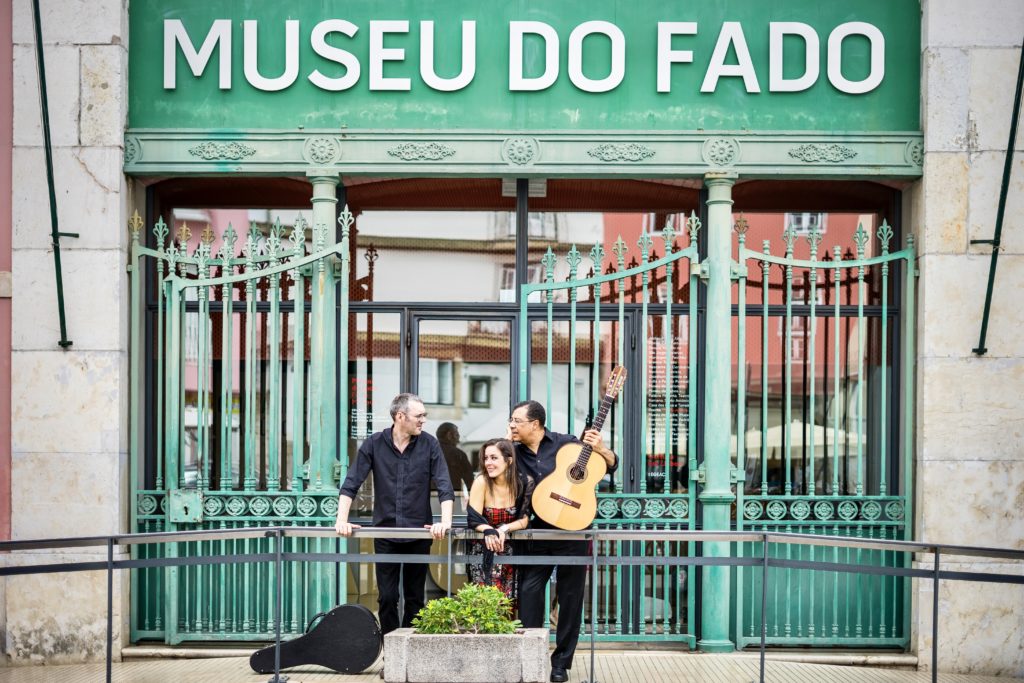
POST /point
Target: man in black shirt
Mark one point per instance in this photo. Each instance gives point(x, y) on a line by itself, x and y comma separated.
point(403, 460)
point(536, 448)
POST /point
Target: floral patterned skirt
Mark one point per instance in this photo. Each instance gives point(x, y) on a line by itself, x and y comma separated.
point(504, 577)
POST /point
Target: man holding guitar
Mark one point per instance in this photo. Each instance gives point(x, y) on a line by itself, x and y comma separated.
point(536, 450)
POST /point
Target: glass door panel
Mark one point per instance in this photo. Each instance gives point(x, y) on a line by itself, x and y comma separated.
point(463, 372)
point(374, 379)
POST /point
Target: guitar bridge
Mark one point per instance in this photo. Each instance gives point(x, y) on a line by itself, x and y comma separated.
point(565, 501)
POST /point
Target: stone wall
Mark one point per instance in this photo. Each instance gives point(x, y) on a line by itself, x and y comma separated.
point(69, 416)
point(970, 421)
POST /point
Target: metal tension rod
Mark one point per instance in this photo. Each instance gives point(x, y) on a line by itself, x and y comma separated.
point(1001, 211)
point(55, 232)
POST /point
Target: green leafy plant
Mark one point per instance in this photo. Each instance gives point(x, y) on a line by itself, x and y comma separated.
point(474, 609)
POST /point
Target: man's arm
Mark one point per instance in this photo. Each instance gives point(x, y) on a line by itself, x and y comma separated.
point(341, 524)
point(439, 529)
point(355, 478)
point(445, 492)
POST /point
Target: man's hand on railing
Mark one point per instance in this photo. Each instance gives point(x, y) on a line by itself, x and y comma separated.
point(439, 529)
point(344, 528)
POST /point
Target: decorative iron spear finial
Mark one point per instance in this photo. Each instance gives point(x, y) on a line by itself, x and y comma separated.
point(885, 235)
point(135, 224)
point(227, 245)
point(184, 233)
point(298, 238)
point(789, 236)
point(741, 225)
point(645, 242)
point(814, 240)
point(549, 261)
point(668, 234)
point(207, 235)
point(160, 231)
point(274, 239)
point(345, 220)
point(693, 227)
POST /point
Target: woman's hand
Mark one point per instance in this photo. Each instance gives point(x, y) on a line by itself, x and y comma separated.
point(494, 543)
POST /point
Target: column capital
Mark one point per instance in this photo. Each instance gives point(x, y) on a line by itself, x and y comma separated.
point(720, 178)
point(323, 175)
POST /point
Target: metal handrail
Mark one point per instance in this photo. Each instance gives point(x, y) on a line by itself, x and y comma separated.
point(595, 560)
point(538, 534)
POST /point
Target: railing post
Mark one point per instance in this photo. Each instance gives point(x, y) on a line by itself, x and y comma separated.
point(764, 602)
point(935, 618)
point(593, 608)
point(110, 607)
point(278, 536)
point(717, 495)
point(450, 536)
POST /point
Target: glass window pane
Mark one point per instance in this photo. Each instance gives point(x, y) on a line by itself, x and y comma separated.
point(455, 255)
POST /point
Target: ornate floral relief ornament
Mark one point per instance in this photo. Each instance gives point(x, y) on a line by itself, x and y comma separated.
point(815, 153)
point(520, 151)
point(915, 152)
point(625, 151)
point(720, 151)
point(322, 150)
point(213, 151)
point(132, 150)
point(421, 151)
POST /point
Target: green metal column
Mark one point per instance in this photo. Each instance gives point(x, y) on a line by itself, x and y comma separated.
point(716, 495)
point(323, 408)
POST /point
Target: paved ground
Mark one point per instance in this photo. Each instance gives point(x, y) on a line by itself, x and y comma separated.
point(611, 667)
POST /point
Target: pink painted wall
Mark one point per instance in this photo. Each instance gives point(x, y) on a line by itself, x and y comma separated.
point(6, 188)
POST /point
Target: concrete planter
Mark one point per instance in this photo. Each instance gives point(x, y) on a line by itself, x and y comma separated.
point(411, 657)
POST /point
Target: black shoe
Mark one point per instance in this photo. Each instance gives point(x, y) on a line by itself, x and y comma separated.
point(559, 674)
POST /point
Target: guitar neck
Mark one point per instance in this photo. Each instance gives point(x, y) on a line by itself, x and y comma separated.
point(602, 413)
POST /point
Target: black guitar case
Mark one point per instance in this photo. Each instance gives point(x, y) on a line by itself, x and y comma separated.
point(347, 639)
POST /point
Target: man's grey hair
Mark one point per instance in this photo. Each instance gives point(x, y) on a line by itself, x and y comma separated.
point(400, 404)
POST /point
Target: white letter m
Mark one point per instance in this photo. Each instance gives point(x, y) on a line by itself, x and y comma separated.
point(175, 34)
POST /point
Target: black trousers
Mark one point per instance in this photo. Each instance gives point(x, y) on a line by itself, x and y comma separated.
point(411, 575)
point(570, 581)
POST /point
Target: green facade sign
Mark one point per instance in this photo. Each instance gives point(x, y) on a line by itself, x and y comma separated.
point(575, 65)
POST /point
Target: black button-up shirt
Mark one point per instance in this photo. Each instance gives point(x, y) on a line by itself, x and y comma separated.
point(401, 481)
point(542, 463)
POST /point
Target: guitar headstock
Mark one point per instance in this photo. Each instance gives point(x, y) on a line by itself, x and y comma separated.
point(615, 381)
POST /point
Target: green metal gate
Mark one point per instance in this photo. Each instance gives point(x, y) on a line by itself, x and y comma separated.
point(647, 603)
point(259, 440)
point(267, 452)
point(855, 498)
point(841, 484)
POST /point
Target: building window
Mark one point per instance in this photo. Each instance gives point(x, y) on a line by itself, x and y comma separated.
point(541, 225)
point(436, 381)
point(805, 223)
point(479, 392)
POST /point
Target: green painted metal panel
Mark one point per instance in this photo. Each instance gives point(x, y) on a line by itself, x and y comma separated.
point(635, 103)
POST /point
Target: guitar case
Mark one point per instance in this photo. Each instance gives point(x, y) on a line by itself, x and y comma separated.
point(347, 639)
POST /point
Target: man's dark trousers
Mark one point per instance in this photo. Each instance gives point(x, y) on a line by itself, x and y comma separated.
point(412, 576)
point(570, 580)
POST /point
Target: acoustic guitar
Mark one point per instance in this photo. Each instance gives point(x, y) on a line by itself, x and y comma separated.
point(567, 498)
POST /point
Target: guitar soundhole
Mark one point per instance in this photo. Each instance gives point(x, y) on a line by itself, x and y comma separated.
point(577, 473)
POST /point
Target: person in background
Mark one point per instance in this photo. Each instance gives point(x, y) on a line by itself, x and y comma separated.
point(403, 459)
point(459, 468)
